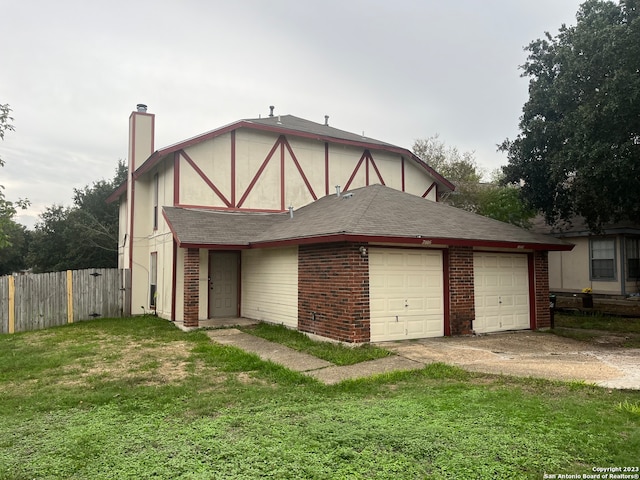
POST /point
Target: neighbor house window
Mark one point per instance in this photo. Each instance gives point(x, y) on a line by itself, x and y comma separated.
point(155, 201)
point(153, 280)
point(632, 250)
point(603, 259)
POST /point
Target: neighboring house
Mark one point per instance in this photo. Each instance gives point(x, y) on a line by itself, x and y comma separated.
point(250, 220)
point(608, 263)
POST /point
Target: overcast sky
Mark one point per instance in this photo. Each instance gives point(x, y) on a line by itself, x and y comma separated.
point(396, 70)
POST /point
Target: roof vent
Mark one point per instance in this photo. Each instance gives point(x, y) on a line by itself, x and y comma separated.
point(141, 107)
point(337, 190)
point(326, 120)
point(291, 211)
point(279, 122)
point(348, 195)
point(271, 107)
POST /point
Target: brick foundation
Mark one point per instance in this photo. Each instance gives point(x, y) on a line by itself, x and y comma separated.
point(462, 308)
point(191, 287)
point(333, 291)
point(541, 279)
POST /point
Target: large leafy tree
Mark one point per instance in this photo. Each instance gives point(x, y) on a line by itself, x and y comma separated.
point(82, 236)
point(9, 229)
point(578, 151)
point(490, 199)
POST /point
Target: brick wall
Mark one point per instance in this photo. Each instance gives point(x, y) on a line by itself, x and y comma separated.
point(462, 309)
point(191, 287)
point(333, 291)
point(541, 278)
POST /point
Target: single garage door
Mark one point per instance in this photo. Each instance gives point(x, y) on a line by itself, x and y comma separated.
point(501, 292)
point(406, 294)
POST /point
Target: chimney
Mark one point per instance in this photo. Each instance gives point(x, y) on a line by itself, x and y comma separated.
point(141, 132)
point(271, 110)
point(326, 120)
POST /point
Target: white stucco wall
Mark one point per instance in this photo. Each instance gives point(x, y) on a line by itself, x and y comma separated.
point(270, 285)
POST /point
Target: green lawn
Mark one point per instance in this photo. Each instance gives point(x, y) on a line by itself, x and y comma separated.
point(137, 398)
point(594, 328)
point(335, 353)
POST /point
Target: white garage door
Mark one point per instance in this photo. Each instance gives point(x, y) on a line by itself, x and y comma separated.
point(501, 292)
point(406, 294)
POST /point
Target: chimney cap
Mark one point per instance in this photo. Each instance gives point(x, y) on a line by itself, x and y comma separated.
point(141, 107)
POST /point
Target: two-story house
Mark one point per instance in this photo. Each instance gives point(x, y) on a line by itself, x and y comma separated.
point(299, 223)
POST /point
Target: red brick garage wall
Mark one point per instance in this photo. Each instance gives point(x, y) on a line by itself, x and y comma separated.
point(333, 291)
point(541, 279)
point(462, 309)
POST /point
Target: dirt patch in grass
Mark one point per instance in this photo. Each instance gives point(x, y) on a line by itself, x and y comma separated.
point(170, 363)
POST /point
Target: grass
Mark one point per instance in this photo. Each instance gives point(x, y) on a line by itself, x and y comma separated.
point(335, 353)
point(136, 398)
point(623, 331)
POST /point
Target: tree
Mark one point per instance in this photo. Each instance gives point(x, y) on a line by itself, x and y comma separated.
point(8, 210)
point(578, 150)
point(82, 236)
point(49, 247)
point(13, 254)
point(489, 199)
point(456, 167)
point(503, 202)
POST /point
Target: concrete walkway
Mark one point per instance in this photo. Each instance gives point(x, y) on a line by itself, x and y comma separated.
point(524, 354)
point(324, 371)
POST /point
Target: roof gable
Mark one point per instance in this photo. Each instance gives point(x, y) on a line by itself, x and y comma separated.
point(287, 125)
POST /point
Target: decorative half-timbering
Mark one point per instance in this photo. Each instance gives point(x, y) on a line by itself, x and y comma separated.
point(290, 221)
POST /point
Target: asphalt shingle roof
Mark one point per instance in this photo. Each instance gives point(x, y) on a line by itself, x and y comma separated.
point(291, 122)
point(373, 211)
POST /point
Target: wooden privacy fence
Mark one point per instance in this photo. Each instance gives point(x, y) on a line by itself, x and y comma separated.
point(36, 301)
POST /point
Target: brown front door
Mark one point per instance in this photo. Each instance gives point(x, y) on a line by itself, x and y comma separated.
point(223, 284)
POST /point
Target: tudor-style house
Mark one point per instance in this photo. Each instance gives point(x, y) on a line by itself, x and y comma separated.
point(289, 221)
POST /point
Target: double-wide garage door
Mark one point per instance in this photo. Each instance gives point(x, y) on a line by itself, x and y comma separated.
point(501, 292)
point(406, 294)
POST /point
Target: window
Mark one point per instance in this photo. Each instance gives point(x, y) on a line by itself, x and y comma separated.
point(153, 280)
point(632, 250)
point(603, 259)
point(155, 201)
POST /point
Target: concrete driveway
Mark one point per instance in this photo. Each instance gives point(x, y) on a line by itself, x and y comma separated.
point(529, 354)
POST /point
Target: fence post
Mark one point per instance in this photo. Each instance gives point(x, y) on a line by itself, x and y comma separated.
point(69, 296)
point(12, 304)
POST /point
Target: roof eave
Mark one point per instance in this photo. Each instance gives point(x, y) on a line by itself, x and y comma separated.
point(418, 241)
point(117, 193)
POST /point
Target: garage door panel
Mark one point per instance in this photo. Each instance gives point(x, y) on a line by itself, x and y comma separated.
point(395, 260)
point(522, 301)
point(501, 292)
point(395, 281)
point(406, 294)
point(490, 280)
point(395, 306)
point(415, 281)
